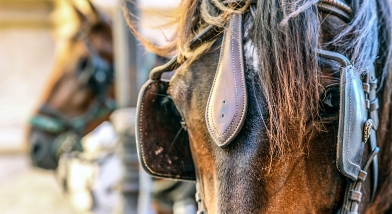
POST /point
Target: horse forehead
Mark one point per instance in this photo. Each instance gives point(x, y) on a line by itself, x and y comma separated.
point(103, 44)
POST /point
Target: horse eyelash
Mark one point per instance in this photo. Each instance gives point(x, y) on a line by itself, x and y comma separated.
point(175, 138)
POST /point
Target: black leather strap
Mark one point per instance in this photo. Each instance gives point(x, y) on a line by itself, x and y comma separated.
point(353, 195)
point(371, 98)
point(346, 165)
point(331, 9)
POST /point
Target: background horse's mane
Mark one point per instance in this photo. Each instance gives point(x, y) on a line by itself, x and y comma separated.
point(289, 30)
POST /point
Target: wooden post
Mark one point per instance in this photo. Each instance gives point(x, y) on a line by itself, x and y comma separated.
point(126, 64)
point(126, 59)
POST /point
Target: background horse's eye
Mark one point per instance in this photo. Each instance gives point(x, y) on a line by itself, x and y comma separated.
point(330, 102)
point(82, 64)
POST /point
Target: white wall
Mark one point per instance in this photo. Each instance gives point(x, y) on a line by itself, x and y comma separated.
point(26, 57)
point(161, 4)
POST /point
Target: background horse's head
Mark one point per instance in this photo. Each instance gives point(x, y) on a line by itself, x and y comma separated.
point(80, 94)
point(284, 158)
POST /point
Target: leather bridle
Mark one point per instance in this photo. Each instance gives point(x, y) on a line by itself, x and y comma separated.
point(353, 192)
point(354, 172)
point(98, 75)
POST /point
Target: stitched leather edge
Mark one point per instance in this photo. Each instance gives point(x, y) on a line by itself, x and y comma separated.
point(139, 138)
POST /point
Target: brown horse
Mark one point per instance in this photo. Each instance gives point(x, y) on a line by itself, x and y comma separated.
point(80, 98)
point(270, 111)
point(81, 93)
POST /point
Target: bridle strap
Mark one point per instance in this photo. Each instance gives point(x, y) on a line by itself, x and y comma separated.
point(339, 4)
point(98, 74)
point(335, 7)
point(331, 9)
point(51, 120)
point(370, 89)
point(207, 35)
point(353, 194)
point(210, 33)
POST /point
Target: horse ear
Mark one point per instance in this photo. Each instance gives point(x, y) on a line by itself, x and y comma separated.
point(96, 15)
point(80, 15)
point(92, 18)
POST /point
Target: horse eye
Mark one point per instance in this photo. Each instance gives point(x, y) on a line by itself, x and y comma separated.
point(82, 64)
point(168, 105)
point(330, 102)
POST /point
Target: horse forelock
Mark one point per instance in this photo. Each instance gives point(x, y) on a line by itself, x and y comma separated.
point(288, 71)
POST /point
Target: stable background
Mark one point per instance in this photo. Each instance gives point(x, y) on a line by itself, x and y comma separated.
point(31, 32)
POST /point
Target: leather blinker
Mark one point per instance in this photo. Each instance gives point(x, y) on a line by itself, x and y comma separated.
point(352, 118)
point(227, 102)
point(163, 144)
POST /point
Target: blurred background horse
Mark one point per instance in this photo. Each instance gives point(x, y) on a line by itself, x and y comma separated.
point(80, 94)
point(80, 97)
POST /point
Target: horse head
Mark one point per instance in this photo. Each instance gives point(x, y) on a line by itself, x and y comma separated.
point(273, 106)
point(81, 93)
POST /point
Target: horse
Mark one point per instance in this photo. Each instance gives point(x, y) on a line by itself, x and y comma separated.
point(80, 95)
point(275, 106)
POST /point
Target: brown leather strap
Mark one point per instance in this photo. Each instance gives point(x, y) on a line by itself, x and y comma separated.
point(227, 103)
point(210, 33)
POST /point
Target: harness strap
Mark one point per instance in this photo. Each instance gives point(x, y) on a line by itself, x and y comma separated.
point(328, 8)
point(49, 119)
point(340, 4)
point(47, 123)
point(209, 34)
point(353, 195)
point(371, 98)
